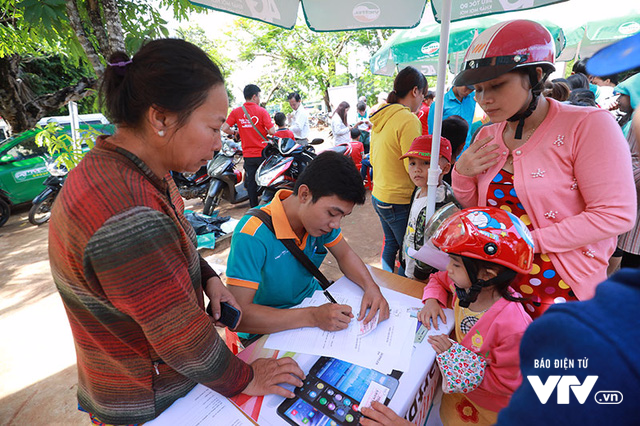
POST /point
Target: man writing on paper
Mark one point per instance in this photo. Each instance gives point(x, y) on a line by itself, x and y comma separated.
point(254, 123)
point(264, 276)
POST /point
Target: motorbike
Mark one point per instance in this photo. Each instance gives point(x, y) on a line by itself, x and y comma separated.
point(284, 161)
point(41, 210)
point(320, 120)
point(226, 177)
point(192, 185)
point(5, 207)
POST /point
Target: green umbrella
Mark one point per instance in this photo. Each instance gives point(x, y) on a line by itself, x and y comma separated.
point(419, 47)
point(612, 24)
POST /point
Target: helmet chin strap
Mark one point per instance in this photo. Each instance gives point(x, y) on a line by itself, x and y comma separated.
point(467, 297)
point(536, 89)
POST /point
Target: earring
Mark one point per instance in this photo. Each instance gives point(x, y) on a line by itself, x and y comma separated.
point(161, 133)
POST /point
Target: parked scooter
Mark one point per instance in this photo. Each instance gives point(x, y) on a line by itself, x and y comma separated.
point(41, 210)
point(192, 185)
point(284, 161)
point(226, 178)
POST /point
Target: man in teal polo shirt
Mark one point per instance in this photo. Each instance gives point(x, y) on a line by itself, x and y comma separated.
point(264, 276)
point(459, 100)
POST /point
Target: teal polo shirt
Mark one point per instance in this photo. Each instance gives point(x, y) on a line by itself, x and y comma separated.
point(258, 259)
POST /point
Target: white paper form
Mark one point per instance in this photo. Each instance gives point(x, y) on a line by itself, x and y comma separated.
point(201, 406)
point(384, 349)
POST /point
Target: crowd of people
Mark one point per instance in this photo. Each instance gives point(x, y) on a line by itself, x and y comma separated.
point(545, 192)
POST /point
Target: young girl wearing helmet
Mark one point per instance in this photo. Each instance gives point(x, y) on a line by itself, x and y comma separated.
point(564, 170)
point(488, 248)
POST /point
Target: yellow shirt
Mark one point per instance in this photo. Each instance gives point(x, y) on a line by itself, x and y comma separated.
point(394, 129)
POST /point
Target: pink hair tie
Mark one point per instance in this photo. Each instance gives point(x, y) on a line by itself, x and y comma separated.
point(120, 64)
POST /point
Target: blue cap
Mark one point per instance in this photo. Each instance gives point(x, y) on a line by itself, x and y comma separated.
point(620, 56)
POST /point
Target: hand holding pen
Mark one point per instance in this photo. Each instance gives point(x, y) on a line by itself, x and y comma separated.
point(332, 316)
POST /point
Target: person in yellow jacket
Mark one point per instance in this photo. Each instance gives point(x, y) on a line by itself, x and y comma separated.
point(395, 126)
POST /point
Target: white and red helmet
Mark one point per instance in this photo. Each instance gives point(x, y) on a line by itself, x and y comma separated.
point(505, 47)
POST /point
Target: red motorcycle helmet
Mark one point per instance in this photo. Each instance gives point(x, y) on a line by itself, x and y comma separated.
point(490, 234)
point(504, 47)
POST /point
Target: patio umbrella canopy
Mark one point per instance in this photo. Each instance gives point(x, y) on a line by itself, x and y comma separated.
point(420, 47)
point(326, 15)
point(612, 24)
point(340, 15)
point(464, 9)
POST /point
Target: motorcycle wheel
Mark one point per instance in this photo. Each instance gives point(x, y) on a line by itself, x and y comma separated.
point(41, 212)
point(211, 202)
point(5, 211)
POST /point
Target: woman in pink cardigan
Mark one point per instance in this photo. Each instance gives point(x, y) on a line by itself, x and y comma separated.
point(565, 171)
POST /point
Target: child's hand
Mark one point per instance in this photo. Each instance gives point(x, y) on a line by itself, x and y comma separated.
point(430, 312)
point(439, 343)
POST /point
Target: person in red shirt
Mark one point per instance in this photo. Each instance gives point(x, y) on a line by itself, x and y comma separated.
point(283, 131)
point(357, 148)
point(254, 123)
point(423, 113)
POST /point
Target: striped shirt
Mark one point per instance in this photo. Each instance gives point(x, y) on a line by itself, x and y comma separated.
point(630, 242)
point(124, 260)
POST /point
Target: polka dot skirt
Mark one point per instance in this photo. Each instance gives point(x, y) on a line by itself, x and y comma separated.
point(543, 286)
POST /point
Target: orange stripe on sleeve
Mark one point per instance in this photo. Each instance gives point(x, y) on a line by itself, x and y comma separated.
point(334, 242)
point(242, 283)
point(251, 226)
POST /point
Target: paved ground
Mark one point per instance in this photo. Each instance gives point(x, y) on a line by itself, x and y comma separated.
point(37, 357)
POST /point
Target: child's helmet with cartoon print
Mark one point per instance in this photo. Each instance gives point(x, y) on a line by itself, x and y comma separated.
point(505, 47)
point(490, 234)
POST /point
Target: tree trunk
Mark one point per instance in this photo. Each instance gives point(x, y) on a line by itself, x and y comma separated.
point(114, 26)
point(89, 50)
point(19, 109)
point(96, 21)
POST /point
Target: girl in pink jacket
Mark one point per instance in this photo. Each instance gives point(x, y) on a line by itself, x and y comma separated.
point(488, 248)
point(564, 170)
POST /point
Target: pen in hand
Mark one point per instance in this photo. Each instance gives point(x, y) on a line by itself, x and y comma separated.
point(329, 296)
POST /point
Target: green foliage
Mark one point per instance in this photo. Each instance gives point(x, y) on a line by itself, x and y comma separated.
point(370, 85)
point(34, 27)
point(61, 147)
point(50, 73)
point(39, 31)
point(214, 48)
point(300, 59)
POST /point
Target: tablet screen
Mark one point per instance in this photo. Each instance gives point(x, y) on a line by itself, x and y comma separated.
point(353, 380)
point(303, 414)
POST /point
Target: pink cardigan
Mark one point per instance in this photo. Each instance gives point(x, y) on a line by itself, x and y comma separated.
point(496, 336)
point(575, 181)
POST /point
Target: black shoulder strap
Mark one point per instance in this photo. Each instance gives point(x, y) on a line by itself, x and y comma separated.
point(293, 248)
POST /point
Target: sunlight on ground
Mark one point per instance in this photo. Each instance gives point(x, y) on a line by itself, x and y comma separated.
point(38, 349)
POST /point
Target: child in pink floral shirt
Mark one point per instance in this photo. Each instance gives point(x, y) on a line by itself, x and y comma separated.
point(488, 248)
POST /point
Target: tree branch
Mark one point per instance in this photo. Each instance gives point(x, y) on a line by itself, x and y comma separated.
point(276, 85)
point(18, 107)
